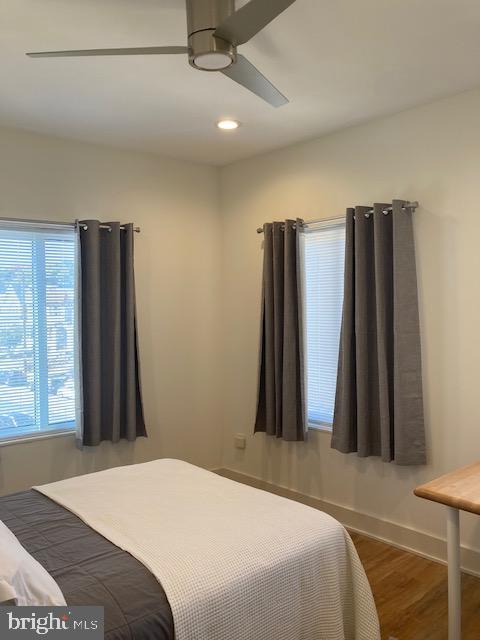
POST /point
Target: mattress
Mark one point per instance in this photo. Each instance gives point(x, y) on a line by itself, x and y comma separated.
point(89, 569)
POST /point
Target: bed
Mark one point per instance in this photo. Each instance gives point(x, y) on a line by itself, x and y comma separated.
point(174, 552)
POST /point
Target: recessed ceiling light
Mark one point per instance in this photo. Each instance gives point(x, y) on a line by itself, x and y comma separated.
point(228, 125)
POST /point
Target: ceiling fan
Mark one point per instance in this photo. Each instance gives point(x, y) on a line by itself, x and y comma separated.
point(215, 30)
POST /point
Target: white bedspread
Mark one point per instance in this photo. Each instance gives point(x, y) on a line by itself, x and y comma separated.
point(236, 563)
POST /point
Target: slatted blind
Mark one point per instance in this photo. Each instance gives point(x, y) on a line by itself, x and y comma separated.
point(322, 255)
point(37, 329)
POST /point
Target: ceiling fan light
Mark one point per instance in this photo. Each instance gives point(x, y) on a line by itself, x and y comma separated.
point(212, 61)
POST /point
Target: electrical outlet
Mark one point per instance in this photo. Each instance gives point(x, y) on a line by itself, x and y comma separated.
point(240, 441)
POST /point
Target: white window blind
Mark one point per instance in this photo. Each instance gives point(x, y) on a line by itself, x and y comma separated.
point(322, 255)
point(37, 329)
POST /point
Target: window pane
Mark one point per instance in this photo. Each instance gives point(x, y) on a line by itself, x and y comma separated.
point(323, 248)
point(37, 330)
point(17, 364)
point(59, 272)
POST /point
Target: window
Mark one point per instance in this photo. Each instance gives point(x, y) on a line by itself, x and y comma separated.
point(37, 329)
point(322, 254)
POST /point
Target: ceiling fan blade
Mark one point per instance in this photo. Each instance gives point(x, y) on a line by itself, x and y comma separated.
point(136, 51)
point(242, 25)
point(250, 77)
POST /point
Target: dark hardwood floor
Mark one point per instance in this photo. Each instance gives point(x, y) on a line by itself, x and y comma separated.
point(411, 593)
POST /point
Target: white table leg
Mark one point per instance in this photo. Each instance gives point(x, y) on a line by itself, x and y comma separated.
point(454, 575)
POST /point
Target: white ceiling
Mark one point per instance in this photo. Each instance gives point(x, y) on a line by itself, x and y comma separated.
point(339, 62)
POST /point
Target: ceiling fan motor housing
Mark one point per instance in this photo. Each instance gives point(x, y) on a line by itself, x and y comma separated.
point(205, 51)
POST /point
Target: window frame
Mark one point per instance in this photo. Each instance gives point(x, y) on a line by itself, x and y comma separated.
point(319, 426)
point(40, 332)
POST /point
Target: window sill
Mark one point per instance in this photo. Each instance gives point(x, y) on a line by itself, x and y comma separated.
point(36, 436)
point(326, 428)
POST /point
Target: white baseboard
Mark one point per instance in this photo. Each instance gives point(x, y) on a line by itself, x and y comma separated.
point(405, 538)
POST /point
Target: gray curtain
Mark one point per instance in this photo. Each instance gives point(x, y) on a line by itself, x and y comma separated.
point(112, 403)
point(379, 402)
point(280, 407)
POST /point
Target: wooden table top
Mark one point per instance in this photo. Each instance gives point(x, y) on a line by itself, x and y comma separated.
point(459, 489)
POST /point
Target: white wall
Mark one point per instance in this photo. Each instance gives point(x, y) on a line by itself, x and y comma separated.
point(430, 154)
point(177, 277)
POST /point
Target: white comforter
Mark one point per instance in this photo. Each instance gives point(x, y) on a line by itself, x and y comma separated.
point(236, 563)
